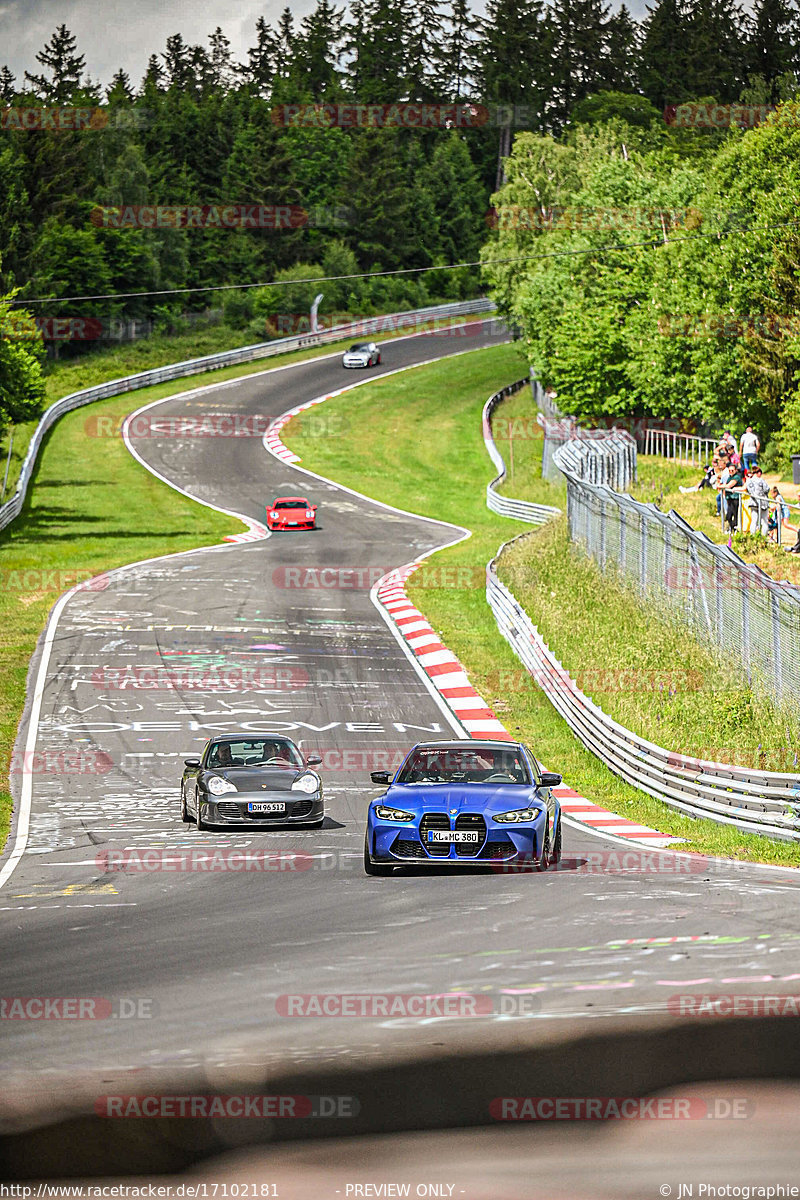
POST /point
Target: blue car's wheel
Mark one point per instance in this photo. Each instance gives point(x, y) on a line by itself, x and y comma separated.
point(372, 868)
point(555, 857)
point(543, 861)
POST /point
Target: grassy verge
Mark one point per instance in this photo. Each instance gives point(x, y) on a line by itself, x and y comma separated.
point(419, 447)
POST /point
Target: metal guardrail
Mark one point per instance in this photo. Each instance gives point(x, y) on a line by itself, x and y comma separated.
point(687, 448)
point(506, 506)
point(764, 802)
point(211, 362)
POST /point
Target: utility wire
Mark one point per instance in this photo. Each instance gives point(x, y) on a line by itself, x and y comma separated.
point(224, 287)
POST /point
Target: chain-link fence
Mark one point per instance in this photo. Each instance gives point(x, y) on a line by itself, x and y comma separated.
point(729, 603)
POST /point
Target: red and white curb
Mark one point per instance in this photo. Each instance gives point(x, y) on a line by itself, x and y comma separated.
point(255, 533)
point(272, 438)
point(450, 679)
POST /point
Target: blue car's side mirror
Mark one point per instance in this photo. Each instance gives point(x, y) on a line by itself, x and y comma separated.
point(550, 779)
point(380, 776)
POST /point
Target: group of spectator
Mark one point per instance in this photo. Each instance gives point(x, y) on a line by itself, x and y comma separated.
point(734, 473)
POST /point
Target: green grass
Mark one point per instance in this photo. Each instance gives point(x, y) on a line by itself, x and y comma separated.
point(419, 447)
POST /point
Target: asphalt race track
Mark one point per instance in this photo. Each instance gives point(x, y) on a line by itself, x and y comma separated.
point(192, 962)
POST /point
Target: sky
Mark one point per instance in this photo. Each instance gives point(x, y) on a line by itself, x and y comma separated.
point(124, 33)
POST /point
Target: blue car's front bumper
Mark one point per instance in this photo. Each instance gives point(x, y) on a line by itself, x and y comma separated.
point(408, 842)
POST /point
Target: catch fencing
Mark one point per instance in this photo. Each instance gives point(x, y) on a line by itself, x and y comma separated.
point(212, 362)
point(506, 506)
point(730, 604)
point(597, 455)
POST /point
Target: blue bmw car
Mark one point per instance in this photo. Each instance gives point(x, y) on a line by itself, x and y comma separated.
point(464, 804)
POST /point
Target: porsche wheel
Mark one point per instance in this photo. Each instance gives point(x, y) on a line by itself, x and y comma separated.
point(372, 868)
point(543, 861)
point(198, 820)
point(185, 814)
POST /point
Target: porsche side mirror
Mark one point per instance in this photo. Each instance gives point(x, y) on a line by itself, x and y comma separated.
point(313, 760)
point(191, 762)
point(379, 776)
point(550, 779)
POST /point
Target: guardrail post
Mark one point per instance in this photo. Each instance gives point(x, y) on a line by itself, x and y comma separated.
point(643, 556)
point(622, 537)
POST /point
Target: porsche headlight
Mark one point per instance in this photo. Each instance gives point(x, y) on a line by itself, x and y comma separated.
point(309, 514)
point(392, 814)
point(273, 516)
point(306, 783)
point(517, 814)
point(219, 786)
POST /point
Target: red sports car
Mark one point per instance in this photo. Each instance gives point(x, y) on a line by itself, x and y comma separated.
point(291, 512)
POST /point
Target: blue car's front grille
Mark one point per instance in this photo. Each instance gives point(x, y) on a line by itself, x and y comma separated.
point(434, 821)
point(473, 822)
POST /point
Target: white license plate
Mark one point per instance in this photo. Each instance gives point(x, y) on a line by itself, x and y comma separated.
point(266, 806)
point(452, 835)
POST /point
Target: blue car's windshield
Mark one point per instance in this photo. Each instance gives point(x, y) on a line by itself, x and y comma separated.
point(457, 765)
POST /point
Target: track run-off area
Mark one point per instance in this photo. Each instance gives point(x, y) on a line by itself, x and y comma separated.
point(191, 964)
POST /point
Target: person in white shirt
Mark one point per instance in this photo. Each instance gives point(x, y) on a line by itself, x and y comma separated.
point(749, 446)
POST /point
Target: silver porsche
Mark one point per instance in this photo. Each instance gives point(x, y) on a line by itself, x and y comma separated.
point(252, 779)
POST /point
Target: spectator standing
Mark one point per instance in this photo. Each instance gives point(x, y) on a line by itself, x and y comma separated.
point(730, 490)
point(749, 446)
point(758, 491)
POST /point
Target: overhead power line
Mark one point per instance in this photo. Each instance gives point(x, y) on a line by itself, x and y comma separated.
point(658, 240)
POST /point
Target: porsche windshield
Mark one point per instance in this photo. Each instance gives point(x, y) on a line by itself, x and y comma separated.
point(290, 504)
point(251, 752)
point(454, 765)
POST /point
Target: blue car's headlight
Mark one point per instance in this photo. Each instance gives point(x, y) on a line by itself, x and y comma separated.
point(392, 814)
point(517, 814)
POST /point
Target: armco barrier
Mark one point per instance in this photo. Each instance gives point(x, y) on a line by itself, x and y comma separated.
point(506, 506)
point(765, 802)
point(211, 362)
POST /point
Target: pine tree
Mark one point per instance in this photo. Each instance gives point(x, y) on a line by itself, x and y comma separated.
point(7, 80)
point(261, 59)
point(177, 61)
point(222, 71)
point(771, 49)
point(423, 38)
point(455, 56)
point(284, 57)
point(381, 52)
point(120, 87)
point(65, 68)
point(718, 37)
point(316, 50)
point(665, 53)
point(581, 57)
point(620, 69)
point(153, 78)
